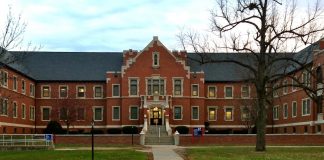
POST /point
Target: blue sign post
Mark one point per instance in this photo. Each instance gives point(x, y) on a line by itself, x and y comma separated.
point(48, 137)
point(197, 132)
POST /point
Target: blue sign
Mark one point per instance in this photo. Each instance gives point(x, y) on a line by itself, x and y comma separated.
point(48, 137)
point(197, 132)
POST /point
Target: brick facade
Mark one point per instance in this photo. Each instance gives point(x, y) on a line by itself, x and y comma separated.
point(145, 86)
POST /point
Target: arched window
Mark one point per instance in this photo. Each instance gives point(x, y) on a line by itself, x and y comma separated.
point(156, 59)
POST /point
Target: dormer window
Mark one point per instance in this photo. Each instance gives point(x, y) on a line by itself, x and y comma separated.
point(156, 59)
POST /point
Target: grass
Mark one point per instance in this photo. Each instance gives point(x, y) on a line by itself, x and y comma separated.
point(248, 153)
point(124, 154)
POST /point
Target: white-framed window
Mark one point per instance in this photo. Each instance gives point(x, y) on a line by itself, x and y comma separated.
point(212, 91)
point(306, 106)
point(46, 91)
point(4, 78)
point(15, 83)
point(306, 78)
point(116, 113)
point(23, 86)
point(98, 91)
point(195, 90)
point(32, 90)
point(285, 87)
point(285, 111)
point(294, 109)
point(294, 83)
point(97, 113)
point(177, 87)
point(133, 87)
point(275, 112)
point(81, 90)
point(14, 110)
point(32, 113)
point(155, 86)
point(23, 111)
point(81, 114)
point(195, 112)
point(212, 113)
point(245, 91)
point(46, 113)
point(156, 59)
point(63, 91)
point(116, 90)
point(177, 110)
point(4, 107)
point(229, 113)
point(246, 113)
point(228, 91)
point(133, 113)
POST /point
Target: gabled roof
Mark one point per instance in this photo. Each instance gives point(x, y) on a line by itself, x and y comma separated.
point(69, 66)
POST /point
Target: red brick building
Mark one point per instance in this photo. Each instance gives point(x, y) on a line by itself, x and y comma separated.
point(154, 86)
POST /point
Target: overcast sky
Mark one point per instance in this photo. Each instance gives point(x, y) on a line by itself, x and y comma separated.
point(107, 25)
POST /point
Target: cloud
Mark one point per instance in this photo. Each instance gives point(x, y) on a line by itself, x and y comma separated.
point(102, 25)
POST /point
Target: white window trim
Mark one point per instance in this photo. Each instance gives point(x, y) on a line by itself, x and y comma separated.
point(5, 85)
point(231, 107)
point(93, 113)
point(192, 85)
point(242, 109)
point(249, 91)
point(77, 91)
point(283, 111)
point(292, 109)
point(112, 90)
point(192, 113)
point(130, 111)
point(180, 113)
point(275, 93)
point(7, 105)
point(129, 86)
point(67, 91)
point(216, 108)
point(94, 91)
point(293, 82)
point(225, 92)
point(285, 87)
point(13, 83)
point(112, 113)
point(23, 105)
point(32, 94)
point(173, 86)
point(310, 107)
point(49, 91)
point(215, 94)
point(23, 91)
point(15, 116)
point(158, 60)
point(49, 116)
point(30, 109)
point(277, 118)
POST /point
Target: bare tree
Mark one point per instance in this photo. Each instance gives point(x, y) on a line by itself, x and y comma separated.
point(265, 34)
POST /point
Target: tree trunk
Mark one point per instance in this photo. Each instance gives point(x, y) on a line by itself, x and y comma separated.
point(261, 125)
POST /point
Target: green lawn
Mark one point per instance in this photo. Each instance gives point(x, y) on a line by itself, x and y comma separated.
point(125, 154)
point(248, 153)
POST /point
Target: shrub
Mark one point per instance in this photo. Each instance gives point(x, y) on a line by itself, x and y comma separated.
point(97, 131)
point(114, 130)
point(182, 129)
point(130, 130)
point(53, 127)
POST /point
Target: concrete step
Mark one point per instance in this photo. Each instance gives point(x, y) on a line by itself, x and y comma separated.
point(166, 140)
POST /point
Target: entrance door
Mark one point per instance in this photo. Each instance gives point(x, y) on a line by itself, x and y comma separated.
point(156, 118)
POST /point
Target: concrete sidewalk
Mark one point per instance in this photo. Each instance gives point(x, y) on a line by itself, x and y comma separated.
point(165, 152)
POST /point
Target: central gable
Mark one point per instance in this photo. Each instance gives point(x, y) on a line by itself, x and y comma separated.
point(155, 58)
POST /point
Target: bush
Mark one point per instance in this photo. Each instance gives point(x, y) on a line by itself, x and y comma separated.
point(97, 131)
point(114, 130)
point(130, 130)
point(182, 129)
point(53, 127)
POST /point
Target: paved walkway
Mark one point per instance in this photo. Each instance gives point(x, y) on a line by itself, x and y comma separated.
point(165, 152)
